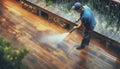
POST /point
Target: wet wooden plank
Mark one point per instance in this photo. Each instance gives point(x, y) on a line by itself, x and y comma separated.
point(49, 55)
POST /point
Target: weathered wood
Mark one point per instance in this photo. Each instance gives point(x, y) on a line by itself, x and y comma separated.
point(48, 55)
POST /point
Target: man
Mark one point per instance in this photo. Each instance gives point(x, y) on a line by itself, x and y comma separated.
point(87, 20)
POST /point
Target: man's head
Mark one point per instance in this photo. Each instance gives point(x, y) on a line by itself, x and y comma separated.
point(78, 7)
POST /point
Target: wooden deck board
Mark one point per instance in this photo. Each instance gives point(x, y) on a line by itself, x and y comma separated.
point(26, 28)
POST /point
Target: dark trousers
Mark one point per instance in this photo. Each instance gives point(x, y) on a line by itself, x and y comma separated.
point(86, 38)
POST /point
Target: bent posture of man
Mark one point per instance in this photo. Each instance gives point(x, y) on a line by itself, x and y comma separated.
point(87, 19)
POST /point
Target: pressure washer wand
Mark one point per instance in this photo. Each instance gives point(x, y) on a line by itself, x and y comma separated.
point(72, 30)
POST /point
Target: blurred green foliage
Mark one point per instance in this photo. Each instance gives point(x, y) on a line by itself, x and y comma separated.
point(9, 58)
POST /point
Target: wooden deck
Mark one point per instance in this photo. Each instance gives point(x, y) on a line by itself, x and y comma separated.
point(25, 29)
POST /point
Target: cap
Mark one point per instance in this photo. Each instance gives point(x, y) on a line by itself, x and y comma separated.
point(77, 6)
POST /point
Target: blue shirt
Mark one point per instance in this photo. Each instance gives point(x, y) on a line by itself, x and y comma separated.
point(87, 18)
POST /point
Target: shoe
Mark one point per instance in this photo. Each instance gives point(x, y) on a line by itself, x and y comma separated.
point(79, 48)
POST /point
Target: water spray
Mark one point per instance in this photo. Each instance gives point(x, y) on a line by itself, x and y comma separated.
point(57, 38)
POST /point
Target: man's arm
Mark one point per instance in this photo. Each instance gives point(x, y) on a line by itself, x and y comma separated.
point(80, 25)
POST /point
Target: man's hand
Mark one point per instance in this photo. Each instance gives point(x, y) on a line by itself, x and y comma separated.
point(76, 27)
point(79, 26)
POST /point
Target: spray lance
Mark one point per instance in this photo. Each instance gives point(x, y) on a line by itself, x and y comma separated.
point(72, 30)
point(76, 25)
